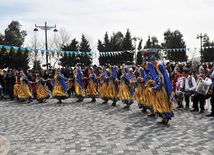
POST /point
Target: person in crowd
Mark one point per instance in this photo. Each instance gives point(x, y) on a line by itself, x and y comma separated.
point(31, 78)
point(178, 93)
point(71, 80)
point(60, 88)
point(204, 66)
point(202, 92)
point(140, 89)
point(133, 77)
point(126, 91)
point(176, 75)
point(169, 68)
point(212, 97)
point(188, 86)
point(104, 80)
point(2, 80)
point(79, 85)
point(194, 75)
point(12, 80)
point(113, 87)
point(23, 90)
point(1, 92)
point(200, 68)
point(164, 96)
point(16, 84)
point(86, 74)
point(195, 67)
point(92, 88)
point(7, 81)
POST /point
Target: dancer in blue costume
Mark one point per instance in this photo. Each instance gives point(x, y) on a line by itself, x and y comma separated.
point(60, 87)
point(126, 91)
point(43, 92)
point(140, 96)
point(164, 96)
point(113, 88)
point(92, 88)
point(148, 98)
point(23, 90)
point(79, 85)
point(104, 79)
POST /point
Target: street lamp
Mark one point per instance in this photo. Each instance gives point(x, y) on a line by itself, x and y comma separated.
point(135, 54)
point(202, 39)
point(46, 36)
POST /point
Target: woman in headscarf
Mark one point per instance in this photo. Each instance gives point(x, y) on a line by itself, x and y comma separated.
point(148, 96)
point(60, 87)
point(23, 91)
point(92, 87)
point(140, 93)
point(103, 85)
point(79, 85)
point(43, 92)
point(126, 91)
point(163, 94)
point(113, 86)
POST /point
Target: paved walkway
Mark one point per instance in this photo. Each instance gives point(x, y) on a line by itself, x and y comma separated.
point(95, 128)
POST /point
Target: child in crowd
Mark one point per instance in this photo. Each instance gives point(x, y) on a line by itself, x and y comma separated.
point(179, 94)
point(1, 93)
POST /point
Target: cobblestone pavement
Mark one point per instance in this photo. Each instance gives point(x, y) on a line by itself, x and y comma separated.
point(95, 128)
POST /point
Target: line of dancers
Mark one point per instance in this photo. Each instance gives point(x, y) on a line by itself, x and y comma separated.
point(154, 89)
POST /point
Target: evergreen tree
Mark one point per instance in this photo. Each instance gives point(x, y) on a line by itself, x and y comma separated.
point(104, 47)
point(174, 40)
point(69, 60)
point(4, 59)
point(13, 34)
point(85, 59)
point(140, 45)
point(139, 55)
point(109, 45)
point(13, 37)
point(207, 53)
point(153, 44)
point(37, 65)
point(101, 48)
point(127, 47)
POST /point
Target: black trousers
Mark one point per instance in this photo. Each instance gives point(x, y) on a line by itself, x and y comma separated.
point(201, 98)
point(212, 102)
point(10, 92)
point(187, 94)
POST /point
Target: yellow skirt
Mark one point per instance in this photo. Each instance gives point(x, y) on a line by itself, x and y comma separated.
point(16, 89)
point(91, 90)
point(42, 92)
point(24, 92)
point(161, 104)
point(103, 91)
point(112, 92)
point(59, 92)
point(139, 95)
point(148, 98)
point(79, 91)
point(125, 94)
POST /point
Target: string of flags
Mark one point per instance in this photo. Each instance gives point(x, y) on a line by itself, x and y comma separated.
point(75, 53)
point(45, 52)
